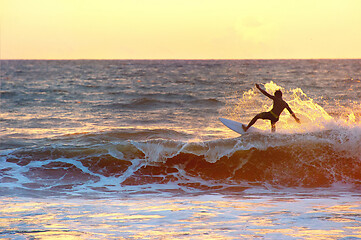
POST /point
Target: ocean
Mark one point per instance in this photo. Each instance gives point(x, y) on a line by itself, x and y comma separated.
point(134, 149)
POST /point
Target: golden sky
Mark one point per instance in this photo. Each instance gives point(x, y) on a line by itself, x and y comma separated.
point(180, 29)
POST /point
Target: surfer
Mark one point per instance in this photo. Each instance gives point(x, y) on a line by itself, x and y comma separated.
point(278, 106)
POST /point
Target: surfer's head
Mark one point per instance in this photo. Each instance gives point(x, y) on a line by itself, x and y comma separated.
point(278, 93)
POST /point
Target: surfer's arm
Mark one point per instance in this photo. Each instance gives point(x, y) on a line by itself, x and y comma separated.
point(293, 114)
point(264, 92)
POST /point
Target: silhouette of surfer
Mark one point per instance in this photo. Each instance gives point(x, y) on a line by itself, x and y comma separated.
point(278, 106)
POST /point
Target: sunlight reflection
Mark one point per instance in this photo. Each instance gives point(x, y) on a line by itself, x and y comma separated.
point(177, 218)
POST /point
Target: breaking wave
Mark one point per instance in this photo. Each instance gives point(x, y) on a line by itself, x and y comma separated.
point(107, 162)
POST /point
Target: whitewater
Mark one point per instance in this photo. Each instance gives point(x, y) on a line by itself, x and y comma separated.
point(134, 149)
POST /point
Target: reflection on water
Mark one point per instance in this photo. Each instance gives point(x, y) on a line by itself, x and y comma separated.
point(201, 217)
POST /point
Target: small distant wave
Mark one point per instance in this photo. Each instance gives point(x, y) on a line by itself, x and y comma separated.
point(7, 94)
point(146, 103)
point(142, 104)
point(208, 102)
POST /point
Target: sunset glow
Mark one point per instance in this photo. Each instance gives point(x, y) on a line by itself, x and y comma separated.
point(179, 29)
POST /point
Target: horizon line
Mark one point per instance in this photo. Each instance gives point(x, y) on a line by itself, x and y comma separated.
point(168, 59)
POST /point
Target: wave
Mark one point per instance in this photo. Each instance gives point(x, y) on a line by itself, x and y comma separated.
point(146, 103)
point(150, 102)
point(106, 161)
point(7, 94)
point(142, 104)
point(209, 102)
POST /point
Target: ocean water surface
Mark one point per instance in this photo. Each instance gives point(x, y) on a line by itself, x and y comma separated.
point(132, 149)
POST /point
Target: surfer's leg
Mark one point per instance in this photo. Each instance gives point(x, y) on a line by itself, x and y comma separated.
point(273, 124)
point(253, 121)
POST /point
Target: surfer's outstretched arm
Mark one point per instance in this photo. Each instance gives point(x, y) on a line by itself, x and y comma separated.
point(296, 118)
point(293, 114)
point(264, 92)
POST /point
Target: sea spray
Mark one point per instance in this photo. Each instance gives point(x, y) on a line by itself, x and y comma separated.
point(312, 115)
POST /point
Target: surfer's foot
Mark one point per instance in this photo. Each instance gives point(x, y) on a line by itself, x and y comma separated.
point(244, 128)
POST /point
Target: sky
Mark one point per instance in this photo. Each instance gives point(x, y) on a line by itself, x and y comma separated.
point(180, 29)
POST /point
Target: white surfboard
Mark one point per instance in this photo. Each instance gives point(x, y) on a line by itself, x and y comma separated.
point(237, 126)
